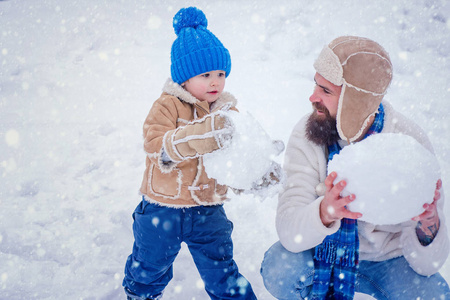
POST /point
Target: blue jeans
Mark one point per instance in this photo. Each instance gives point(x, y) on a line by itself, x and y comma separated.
point(290, 275)
point(159, 232)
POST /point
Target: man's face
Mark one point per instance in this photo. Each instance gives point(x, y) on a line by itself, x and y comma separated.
point(321, 125)
point(325, 97)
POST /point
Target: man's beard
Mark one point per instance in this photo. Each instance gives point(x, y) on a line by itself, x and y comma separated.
point(321, 130)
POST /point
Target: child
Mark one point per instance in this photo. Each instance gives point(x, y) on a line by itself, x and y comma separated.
point(180, 203)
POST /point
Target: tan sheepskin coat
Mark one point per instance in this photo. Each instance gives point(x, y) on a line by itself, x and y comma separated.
point(183, 181)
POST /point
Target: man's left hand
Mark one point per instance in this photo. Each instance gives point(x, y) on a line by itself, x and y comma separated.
point(428, 221)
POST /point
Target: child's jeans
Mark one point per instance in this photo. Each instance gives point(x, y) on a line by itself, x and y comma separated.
point(158, 233)
point(290, 275)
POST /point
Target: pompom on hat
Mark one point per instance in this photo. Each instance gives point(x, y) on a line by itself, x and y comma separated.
point(196, 49)
point(364, 70)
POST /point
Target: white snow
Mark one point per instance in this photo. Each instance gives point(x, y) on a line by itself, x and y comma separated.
point(391, 175)
point(77, 79)
point(247, 157)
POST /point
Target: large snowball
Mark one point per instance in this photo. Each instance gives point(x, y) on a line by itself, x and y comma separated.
point(391, 175)
point(248, 157)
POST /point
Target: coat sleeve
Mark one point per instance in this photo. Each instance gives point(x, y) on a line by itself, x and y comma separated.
point(161, 119)
point(197, 137)
point(298, 220)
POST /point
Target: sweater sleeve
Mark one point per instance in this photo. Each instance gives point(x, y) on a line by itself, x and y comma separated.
point(298, 220)
point(426, 260)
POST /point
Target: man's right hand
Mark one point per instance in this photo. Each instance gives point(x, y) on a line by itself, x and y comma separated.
point(333, 206)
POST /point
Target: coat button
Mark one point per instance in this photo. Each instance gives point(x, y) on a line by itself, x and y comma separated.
point(321, 189)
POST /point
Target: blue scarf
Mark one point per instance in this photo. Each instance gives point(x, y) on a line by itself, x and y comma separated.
point(336, 259)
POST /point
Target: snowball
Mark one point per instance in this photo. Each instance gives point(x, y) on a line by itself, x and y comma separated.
point(247, 158)
point(391, 175)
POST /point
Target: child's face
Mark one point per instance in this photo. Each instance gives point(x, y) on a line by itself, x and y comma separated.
point(207, 86)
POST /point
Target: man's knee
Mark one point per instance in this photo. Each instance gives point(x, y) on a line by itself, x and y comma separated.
point(286, 275)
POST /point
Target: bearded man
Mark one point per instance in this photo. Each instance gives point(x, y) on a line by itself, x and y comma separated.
point(324, 252)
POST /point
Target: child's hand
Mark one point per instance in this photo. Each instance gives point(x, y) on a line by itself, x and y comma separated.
point(199, 137)
point(224, 129)
point(274, 175)
point(279, 145)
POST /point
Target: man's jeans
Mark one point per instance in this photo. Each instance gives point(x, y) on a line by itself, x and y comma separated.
point(290, 275)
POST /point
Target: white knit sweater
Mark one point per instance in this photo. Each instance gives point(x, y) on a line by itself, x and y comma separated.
point(298, 220)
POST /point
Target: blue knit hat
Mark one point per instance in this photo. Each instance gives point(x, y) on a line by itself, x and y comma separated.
point(196, 50)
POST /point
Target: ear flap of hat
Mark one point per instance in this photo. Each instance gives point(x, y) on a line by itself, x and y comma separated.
point(366, 75)
point(354, 112)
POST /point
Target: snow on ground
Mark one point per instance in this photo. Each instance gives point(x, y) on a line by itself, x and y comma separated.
point(78, 78)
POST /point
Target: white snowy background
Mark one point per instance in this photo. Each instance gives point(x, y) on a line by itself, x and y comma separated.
point(77, 79)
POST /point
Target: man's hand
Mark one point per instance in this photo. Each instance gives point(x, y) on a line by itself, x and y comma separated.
point(428, 221)
point(333, 206)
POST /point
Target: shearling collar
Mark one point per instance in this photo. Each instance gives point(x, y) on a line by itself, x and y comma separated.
point(173, 88)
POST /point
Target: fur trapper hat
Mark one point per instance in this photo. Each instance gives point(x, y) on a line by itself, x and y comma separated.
point(364, 70)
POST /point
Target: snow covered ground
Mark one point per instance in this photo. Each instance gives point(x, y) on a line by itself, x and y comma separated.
point(77, 79)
